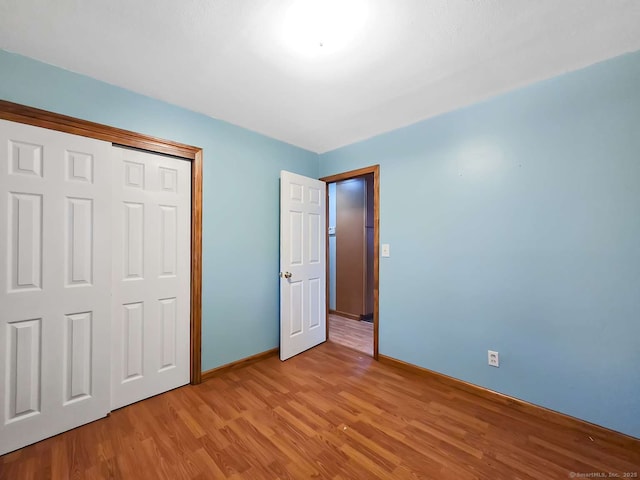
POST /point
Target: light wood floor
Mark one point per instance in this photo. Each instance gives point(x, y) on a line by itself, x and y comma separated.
point(327, 413)
point(351, 333)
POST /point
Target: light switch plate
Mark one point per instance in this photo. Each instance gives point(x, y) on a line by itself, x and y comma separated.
point(385, 250)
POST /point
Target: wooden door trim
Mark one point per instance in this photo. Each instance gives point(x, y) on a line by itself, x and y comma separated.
point(375, 170)
point(53, 121)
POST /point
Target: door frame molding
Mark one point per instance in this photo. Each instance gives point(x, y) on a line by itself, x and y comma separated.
point(53, 121)
point(375, 170)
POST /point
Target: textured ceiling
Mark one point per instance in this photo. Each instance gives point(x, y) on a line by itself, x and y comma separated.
point(407, 59)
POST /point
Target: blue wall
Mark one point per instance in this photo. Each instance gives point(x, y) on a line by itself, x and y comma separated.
point(331, 221)
point(240, 311)
point(514, 226)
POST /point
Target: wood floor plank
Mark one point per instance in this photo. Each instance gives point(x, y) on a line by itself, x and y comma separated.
point(329, 413)
point(350, 333)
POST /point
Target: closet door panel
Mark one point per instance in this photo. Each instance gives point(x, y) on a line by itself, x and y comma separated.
point(151, 280)
point(55, 280)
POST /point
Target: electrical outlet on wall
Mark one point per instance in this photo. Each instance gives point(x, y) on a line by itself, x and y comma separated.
point(493, 358)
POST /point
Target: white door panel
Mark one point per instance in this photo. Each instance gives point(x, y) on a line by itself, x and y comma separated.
point(55, 192)
point(302, 263)
point(151, 265)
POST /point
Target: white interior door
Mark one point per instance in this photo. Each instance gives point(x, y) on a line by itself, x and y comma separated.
point(55, 192)
point(151, 275)
point(302, 263)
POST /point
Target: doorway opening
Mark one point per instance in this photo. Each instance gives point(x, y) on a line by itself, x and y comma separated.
point(353, 202)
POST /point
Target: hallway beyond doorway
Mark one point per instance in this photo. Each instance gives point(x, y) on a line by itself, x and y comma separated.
point(350, 333)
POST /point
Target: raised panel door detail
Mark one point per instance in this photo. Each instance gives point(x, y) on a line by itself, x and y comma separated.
point(23, 359)
point(25, 241)
point(168, 318)
point(78, 356)
point(79, 248)
point(79, 166)
point(133, 240)
point(314, 196)
point(314, 237)
point(134, 174)
point(296, 239)
point(168, 179)
point(296, 308)
point(168, 240)
point(295, 192)
point(132, 340)
point(25, 158)
point(314, 302)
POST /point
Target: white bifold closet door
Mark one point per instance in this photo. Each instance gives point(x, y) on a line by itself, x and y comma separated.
point(94, 280)
point(151, 275)
point(55, 279)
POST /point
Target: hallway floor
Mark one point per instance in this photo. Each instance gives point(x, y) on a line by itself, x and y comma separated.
point(351, 333)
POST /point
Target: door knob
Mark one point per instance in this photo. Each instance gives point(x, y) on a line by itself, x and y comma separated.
point(286, 275)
